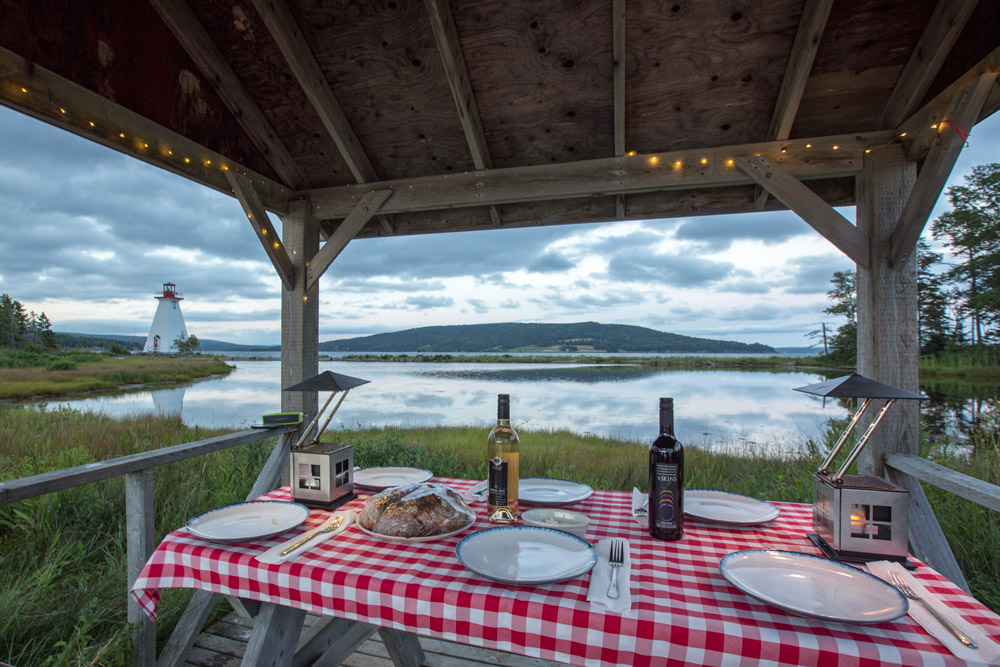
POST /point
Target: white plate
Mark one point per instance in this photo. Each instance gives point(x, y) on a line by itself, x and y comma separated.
point(551, 492)
point(525, 555)
point(389, 476)
point(413, 540)
point(812, 586)
point(727, 508)
point(244, 522)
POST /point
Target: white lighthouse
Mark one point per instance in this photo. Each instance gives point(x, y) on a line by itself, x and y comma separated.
point(168, 323)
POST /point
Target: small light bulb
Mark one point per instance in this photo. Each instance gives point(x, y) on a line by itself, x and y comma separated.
point(24, 90)
point(677, 164)
point(121, 134)
point(305, 298)
point(902, 134)
point(92, 123)
point(208, 162)
point(654, 160)
point(170, 152)
point(631, 153)
point(809, 145)
point(187, 160)
point(868, 150)
point(730, 162)
point(704, 160)
point(836, 147)
point(276, 244)
point(934, 126)
point(61, 110)
point(145, 145)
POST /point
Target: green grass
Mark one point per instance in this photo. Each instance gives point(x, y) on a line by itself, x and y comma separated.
point(75, 373)
point(62, 556)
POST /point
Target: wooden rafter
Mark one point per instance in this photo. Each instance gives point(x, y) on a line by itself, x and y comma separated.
point(827, 157)
point(5, 70)
point(935, 43)
point(618, 47)
point(809, 206)
point(39, 92)
point(941, 158)
point(254, 209)
point(348, 229)
point(203, 51)
point(457, 73)
point(281, 24)
point(812, 23)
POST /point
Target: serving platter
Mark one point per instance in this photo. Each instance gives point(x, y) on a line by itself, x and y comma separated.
point(813, 587)
point(413, 540)
point(526, 555)
point(385, 477)
point(544, 492)
point(244, 522)
point(728, 509)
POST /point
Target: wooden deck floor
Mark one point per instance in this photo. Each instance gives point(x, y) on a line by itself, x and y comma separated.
point(223, 645)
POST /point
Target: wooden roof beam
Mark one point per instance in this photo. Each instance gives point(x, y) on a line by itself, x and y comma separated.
point(824, 157)
point(618, 48)
point(281, 24)
point(43, 94)
point(347, 230)
point(935, 43)
point(812, 23)
point(457, 72)
point(196, 41)
point(790, 191)
point(944, 152)
point(257, 215)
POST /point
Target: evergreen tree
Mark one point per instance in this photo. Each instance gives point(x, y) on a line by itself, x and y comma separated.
point(13, 322)
point(844, 344)
point(935, 331)
point(971, 230)
point(46, 337)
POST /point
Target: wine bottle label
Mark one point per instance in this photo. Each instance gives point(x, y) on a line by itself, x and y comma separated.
point(667, 496)
point(498, 482)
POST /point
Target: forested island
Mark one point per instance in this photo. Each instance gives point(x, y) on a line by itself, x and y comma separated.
point(522, 337)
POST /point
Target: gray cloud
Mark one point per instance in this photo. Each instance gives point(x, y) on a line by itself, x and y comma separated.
point(370, 286)
point(428, 302)
point(812, 274)
point(479, 305)
point(719, 231)
point(644, 265)
point(551, 262)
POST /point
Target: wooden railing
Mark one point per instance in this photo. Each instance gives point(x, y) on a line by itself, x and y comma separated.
point(139, 514)
point(927, 540)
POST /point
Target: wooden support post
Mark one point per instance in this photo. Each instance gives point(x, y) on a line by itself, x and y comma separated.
point(403, 647)
point(299, 311)
point(275, 634)
point(139, 546)
point(347, 230)
point(887, 302)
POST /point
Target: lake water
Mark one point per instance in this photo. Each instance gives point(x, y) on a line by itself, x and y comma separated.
point(721, 409)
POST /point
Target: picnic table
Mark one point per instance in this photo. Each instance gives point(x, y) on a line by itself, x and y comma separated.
point(683, 610)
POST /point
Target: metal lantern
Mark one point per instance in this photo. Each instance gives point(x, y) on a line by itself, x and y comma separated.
point(322, 474)
point(858, 517)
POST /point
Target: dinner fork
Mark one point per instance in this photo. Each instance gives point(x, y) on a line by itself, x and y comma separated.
point(328, 528)
point(616, 558)
point(905, 589)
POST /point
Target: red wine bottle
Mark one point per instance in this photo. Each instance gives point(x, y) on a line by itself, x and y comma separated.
point(666, 479)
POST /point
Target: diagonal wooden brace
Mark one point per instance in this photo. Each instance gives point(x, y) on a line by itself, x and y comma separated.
point(347, 230)
point(791, 192)
point(257, 215)
point(963, 111)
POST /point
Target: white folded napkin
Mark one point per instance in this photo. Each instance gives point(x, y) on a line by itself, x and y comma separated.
point(640, 509)
point(471, 496)
point(273, 555)
point(988, 652)
point(600, 579)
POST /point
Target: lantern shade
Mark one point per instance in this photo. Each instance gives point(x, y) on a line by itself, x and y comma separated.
point(327, 381)
point(857, 386)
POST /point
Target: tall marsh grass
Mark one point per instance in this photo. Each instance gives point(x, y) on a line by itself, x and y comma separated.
point(62, 556)
point(85, 372)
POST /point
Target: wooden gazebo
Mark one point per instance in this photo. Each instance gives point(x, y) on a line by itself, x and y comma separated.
point(355, 120)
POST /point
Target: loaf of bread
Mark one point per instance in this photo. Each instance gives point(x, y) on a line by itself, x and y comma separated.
point(415, 510)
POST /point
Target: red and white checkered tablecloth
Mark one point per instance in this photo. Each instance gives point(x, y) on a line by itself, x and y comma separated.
point(683, 610)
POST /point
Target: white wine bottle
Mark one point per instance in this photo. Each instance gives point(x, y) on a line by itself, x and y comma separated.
point(502, 468)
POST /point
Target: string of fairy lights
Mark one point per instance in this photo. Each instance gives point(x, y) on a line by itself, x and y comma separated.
point(141, 146)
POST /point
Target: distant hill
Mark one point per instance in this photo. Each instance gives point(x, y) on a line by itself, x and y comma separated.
point(512, 336)
point(70, 340)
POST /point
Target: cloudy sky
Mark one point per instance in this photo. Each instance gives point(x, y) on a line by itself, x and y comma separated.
point(89, 235)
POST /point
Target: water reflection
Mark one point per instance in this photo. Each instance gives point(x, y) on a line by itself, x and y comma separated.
point(717, 408)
